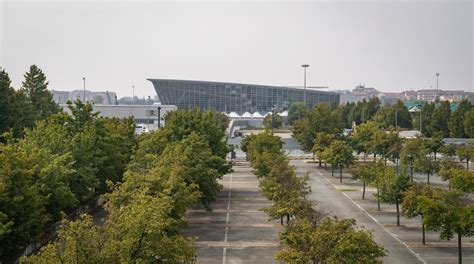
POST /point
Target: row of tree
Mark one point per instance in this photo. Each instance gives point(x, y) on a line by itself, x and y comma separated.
point(58, 165)
point(436, 117)
point(309, 236)
point(393, 184)
point(171, 170)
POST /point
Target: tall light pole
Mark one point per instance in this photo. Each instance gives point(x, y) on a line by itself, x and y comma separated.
point(437, 79)
point(84, 91)
point(133, 93)
point(305, 66)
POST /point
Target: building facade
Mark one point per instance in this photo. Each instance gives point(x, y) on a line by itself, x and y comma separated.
point(235, 97)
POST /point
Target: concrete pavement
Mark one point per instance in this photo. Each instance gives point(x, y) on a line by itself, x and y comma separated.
point(236, 231)
point(336, 198)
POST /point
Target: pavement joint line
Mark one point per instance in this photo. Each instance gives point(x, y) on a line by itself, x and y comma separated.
point(377, 222)
point(224, 250)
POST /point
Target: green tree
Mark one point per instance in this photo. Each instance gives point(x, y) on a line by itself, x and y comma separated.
point(462, 180)
point(22, 207)
point(456, 121)
point(363, 136)
point(296, 112)
point(392, 190)
point(451, 213)
point(435, 143)
point(365, 173)
point(469, 123)
point(411, 205)
point(440, 119)
point(35, 86)
point(410, 152)
point(272, 121)
point(339, 154)
point(322, 141)
point(332, 241)
point(465, 152)
point(5, 97)
point(321, 118)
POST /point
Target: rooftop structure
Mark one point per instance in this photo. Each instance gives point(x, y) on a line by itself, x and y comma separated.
point(235, 97)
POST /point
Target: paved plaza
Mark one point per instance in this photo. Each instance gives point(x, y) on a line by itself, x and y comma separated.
point(236, 231)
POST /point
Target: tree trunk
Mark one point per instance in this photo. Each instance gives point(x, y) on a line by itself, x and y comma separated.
point(375, 157)
point(332, 171)
point(428, 178)
point(459, 247)
point(325, 166)
point(467, 163)
point(340, 173)
point(378, 198)
point(398, 212)
point(319, 162)
point(287, 218)
point(423, 230)
point(363, 190)
point(281, 220)
point(411, 173)
point(435, 156)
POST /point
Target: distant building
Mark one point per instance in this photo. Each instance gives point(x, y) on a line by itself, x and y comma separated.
point(146, 115)
point(235, 97)
point(106, 98)
point(60, 97)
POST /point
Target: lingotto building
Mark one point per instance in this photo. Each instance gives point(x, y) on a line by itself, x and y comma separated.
point(235, 97)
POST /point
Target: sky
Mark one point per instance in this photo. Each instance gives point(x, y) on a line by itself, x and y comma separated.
point(390, 45)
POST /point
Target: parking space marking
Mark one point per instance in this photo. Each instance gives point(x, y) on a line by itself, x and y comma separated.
point(224, 250)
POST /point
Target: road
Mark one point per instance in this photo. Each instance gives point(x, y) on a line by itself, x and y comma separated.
point(334, 202)
point(236, 231)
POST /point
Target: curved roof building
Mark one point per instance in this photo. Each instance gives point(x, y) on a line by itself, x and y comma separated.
point(235, 97)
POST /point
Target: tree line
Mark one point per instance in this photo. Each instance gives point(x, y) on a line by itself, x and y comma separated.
point(449, 211)
point(433, 117)
point(170, 170)
point(309, 236)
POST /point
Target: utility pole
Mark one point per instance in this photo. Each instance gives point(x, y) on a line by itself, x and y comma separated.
point(305, 66)
point(84, 92)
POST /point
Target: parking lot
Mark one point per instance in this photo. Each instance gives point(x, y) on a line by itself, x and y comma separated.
point(236, 231)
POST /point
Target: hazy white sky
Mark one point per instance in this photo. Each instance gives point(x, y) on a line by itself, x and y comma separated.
point(390, 45)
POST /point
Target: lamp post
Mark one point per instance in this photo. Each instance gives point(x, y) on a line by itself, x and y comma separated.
point(133, 94)
point(159, 116)
point(437, 79)
point(305, 66)
point(84, 90)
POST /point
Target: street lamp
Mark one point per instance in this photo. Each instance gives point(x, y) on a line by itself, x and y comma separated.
point(437, 79)
point(304, 95)
point(133, 94)
point(159, 116)
point(84, 93)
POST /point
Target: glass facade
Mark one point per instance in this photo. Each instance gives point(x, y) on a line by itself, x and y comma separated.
point(235, 97)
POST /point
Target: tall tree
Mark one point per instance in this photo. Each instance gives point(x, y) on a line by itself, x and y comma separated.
point(393, 189)
point(339, 154)
point(440, 119)
point(36, 87)
point(469, 123)
point(451, 213)
point(296, 111)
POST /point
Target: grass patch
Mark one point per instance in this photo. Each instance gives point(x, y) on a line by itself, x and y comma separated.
point(348, 190)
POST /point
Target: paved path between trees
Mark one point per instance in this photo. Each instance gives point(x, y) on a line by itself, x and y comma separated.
point(337, 198)
point(236, 231)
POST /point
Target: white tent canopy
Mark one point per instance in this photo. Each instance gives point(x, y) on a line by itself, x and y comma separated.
point(247, 115)
point(233, 115)
point(257, 115)
point(284, 113)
